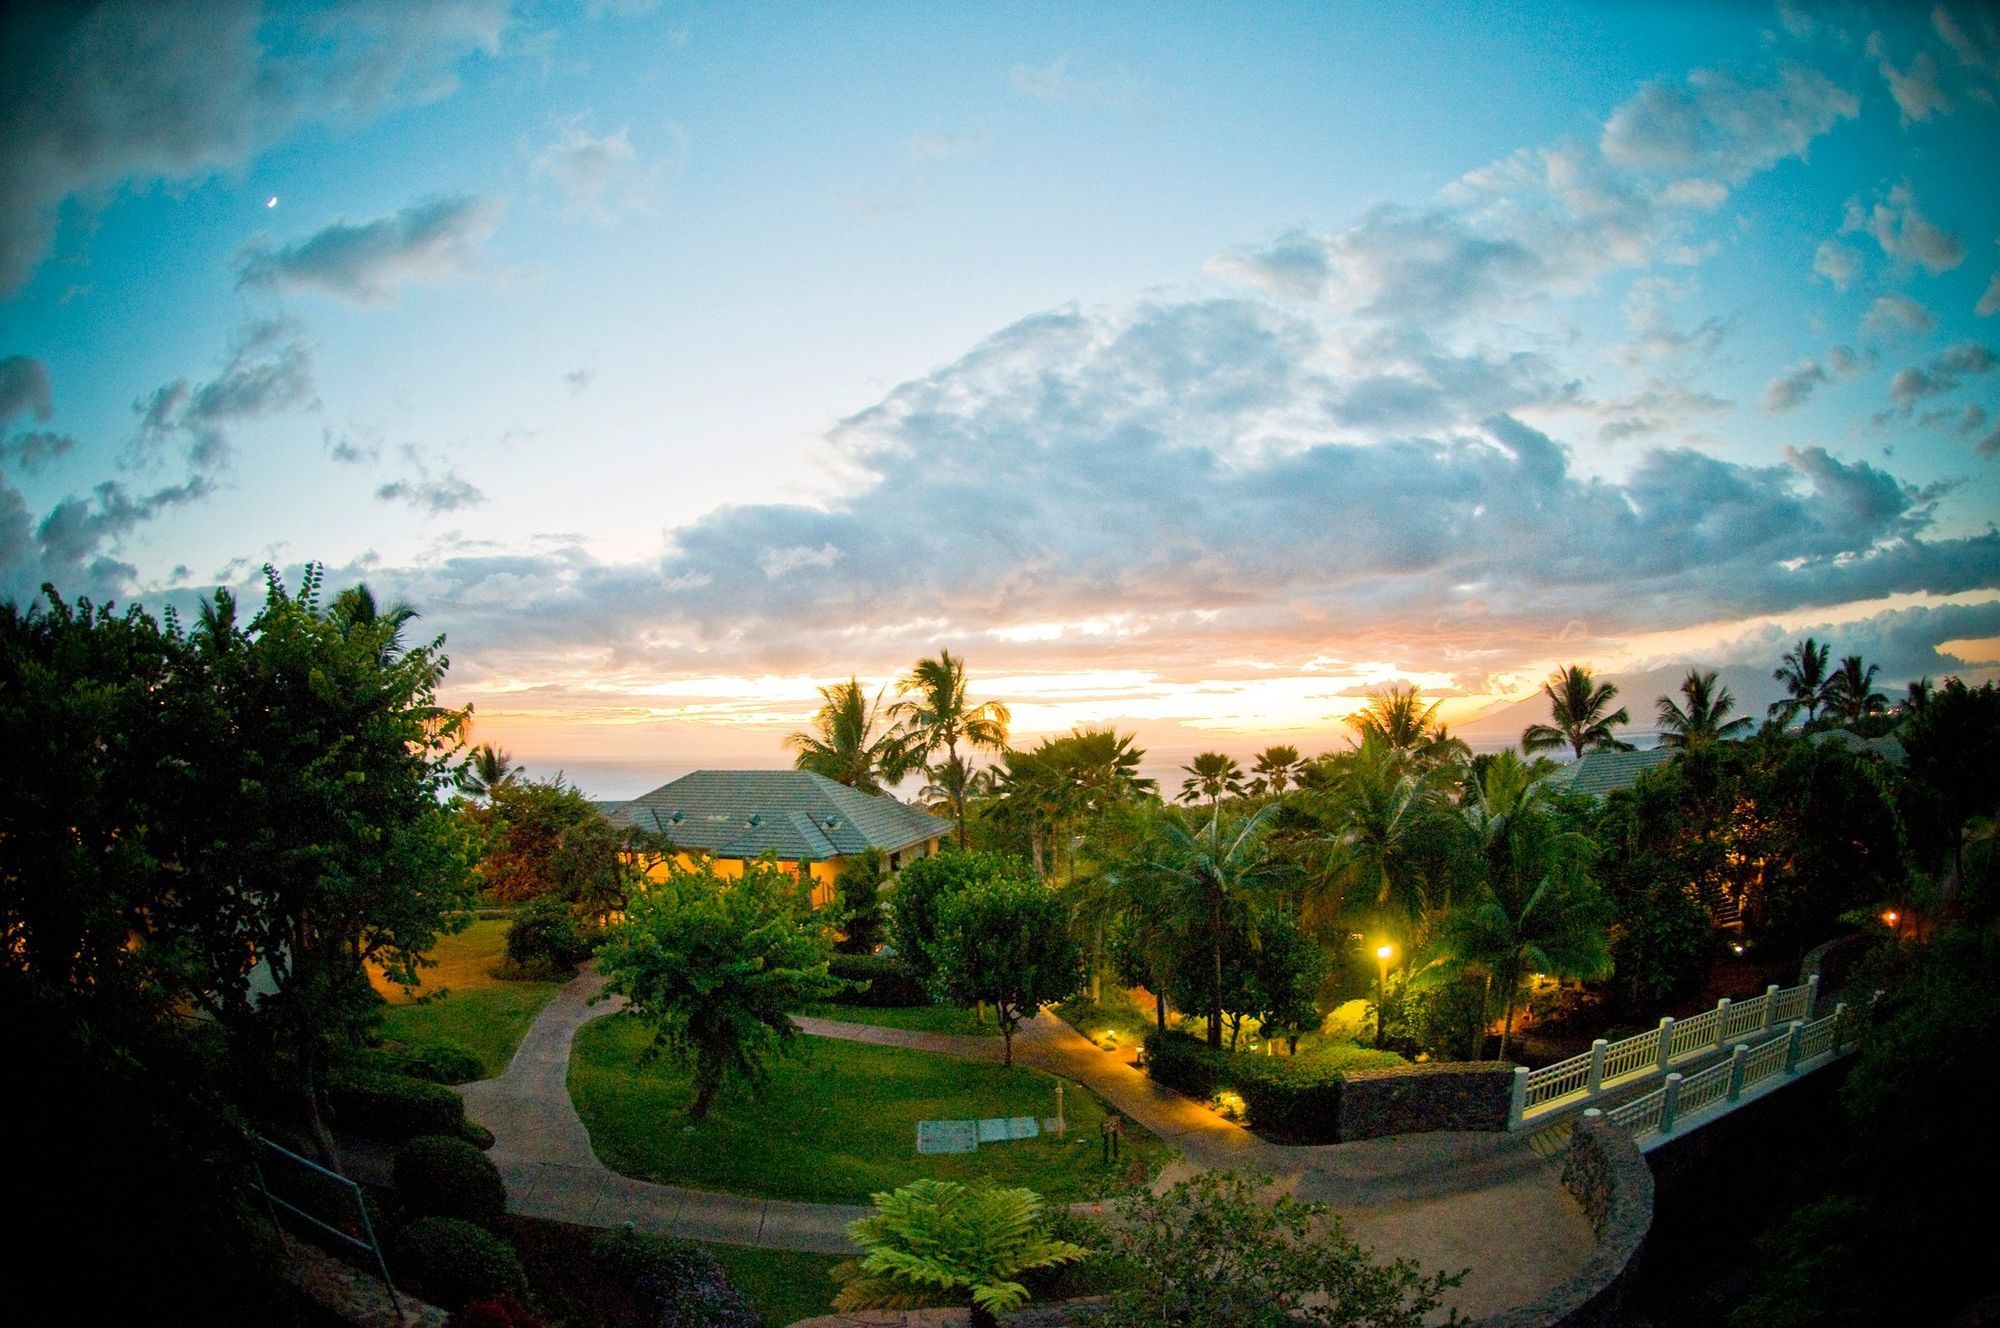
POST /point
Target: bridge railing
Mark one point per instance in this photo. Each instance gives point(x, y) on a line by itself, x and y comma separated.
point(1683, 1103)
point(1584, 1078)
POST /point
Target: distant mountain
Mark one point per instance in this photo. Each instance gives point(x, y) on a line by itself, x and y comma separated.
point(1752, 688)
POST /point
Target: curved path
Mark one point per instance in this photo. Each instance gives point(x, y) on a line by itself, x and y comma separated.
point(1483, 1202)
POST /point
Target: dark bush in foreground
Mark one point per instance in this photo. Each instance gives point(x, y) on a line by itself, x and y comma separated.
point(678, 1284)
point(437, 1062)
point(441, 1176)
point(393, 1106)
point(452, 1261)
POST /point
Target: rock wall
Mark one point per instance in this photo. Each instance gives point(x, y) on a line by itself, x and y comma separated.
point(1422, 1099)
point(1607, 1175)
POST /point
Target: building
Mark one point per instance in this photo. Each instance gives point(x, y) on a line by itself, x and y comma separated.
point(1601, 773)
point(808, 822)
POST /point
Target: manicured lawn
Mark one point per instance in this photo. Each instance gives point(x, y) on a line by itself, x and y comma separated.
point(916, 1018)
point(838, 1126)
point(478, 1010)
point(784, 1285)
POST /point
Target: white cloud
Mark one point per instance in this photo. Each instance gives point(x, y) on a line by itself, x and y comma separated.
point(1914, 87)
point(1892, 315)
point(1719, 125)
point(602, 178)
point(1900, 227)
point(269, 371)
point(96, 96)
point(1837, 263)
point(1942, 374)
point(430, 242)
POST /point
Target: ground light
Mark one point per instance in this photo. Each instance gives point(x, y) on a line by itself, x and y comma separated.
point(1382, 953)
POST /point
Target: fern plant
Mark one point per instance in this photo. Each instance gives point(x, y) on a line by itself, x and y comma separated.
point(939, 1236)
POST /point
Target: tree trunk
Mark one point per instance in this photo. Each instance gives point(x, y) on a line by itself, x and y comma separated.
point(1006, 1034)
point(1097, 962)
point(1035, 850)
point(1215, 978)
point(1507, 1025)
point(1160, 1010)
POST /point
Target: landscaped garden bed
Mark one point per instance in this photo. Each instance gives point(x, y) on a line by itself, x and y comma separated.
point(838, 1126)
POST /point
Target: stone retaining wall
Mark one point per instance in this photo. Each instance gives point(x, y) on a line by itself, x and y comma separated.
point(1607, 1175)
point(1424, 1099)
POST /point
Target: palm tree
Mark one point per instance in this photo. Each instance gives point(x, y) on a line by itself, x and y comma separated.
point(1917, 697)
point(952, 781)
point(487, 769)
point(354, 609)
point(1398, 716)
point(1578, 703)
point(1377, 801)
point(1850, 692)
point(1539, 911)
point(934, 715)
point(1803, 671)
point(1212, 776)
point(850, 745)
point(1276, 768)
point(1224, 861)
point(1705, 719)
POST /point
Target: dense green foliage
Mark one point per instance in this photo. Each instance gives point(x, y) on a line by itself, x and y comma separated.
point(449, 1261)
point(714, 963)
point(548, 939)
point(1005, 943)
point(1211, 1252)
point(857, 894)
point(1295, 1098)
point(918, 900)
point(880, 980)
point(673, 1282)
point(441, 1176)
point(936, 1236)
point(392, 1106)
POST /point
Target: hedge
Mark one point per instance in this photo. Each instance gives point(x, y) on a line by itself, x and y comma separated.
point(440, 1176)
point(1299, 1100)
point(452, 1261)
point(393, 1106)
point(438, 1061)
point(889, 981)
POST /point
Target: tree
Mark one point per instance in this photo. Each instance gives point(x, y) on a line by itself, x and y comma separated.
point(1276, 768)
point(1539, 912)
point(327, 845)
point(714, 963)
point(488, 768)
point(1952, 778)
point(541, 839)
point(1850, 692)
point(935, 1236)
point(1580, 707)
point(1209, 868)
point(1286, 971)
point(1210, 1252)
point(1705, 720)
point(850, 743)
point(1803, 671)
point(857, 894)
point(1397, 715)
point(953, 781)
point(935, 715)
point(1378, 804)
point(917, 900)
point(1213, 776)
point(1005, 942)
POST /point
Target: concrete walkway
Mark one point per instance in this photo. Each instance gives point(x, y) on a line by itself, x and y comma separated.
point(1483, 1202)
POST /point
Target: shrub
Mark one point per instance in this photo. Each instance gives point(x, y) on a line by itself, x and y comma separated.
point(546, 938)
point(858, 892)
point(452, 1261)
point(1184, 1063)
point(437, 1062)
point(1293, 1097)
point(440, 1176)
point(676, 1283)
point(889, 981)
point(393, 1106)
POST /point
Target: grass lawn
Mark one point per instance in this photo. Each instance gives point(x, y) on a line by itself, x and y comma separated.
point(784, 1285)
point(478, 1010)
point(916, 1018)
point(839, 1126)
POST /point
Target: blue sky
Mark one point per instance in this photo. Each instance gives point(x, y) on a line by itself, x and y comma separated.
point(1192, 368)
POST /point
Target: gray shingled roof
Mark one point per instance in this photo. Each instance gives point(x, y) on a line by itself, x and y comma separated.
point(1599, 773)
point(793, 814)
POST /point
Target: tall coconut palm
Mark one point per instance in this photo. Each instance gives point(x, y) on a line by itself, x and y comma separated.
point(1378, 801)
point(1276, 768)
point(1213, 776)
point(1580, 707)
point(1398, 715)
point(1223, 861)
point(1706, 718)
point(487, 769)
point(354, 609)
point(952, 781)
point(1850, 692)
point(1538, 910)
point(933, 714)
point(849, 743)
point(1803, 671)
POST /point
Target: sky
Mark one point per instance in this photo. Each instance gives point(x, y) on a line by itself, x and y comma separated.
point(1192, 369)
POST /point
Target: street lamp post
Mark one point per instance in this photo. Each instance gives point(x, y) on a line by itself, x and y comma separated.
point(1382, 953)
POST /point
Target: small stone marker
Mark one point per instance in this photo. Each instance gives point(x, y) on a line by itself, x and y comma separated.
point(946, 1136)
point(993, 1130)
